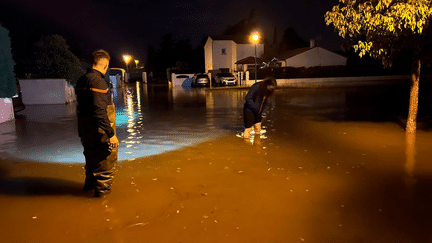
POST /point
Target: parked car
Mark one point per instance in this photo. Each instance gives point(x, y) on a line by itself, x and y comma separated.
point(182, 76)
point(201, 79)
point(225, 79)
point(17, 101)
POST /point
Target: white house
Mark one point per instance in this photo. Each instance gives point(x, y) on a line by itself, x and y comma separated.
point(313, 56)
point(221, 53)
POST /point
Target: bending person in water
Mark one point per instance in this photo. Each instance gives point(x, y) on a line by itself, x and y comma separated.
point(256, 102)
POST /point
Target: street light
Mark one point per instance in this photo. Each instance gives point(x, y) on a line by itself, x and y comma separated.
point(136, 63)
point(255, 39)
point(127, 58)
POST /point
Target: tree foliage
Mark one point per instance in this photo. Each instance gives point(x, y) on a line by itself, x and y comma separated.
point(7, 75)
point(244, 27)
point(290, 40)
point(381, 27)
point(172, 52)
point(54, 59)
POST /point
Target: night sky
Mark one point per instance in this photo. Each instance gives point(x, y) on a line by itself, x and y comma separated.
point(129, 26)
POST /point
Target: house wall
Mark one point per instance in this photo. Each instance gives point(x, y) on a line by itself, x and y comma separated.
point(208, 54)
point(227, 59)
point(234, 57)
point(248, 50)
point(316, 57)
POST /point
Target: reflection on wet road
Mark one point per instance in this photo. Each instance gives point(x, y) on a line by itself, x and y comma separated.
point(150, 120)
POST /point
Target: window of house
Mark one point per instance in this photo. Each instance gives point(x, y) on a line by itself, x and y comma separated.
point(223, 51)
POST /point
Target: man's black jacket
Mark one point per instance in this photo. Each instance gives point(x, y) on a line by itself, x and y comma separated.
point(92, 104)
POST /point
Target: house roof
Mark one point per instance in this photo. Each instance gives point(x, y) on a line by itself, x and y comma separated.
point(294, 52)
point(250, 60)
point(239, 39)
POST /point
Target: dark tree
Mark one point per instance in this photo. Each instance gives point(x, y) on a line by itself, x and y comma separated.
point(290, 40)
point(171, 53)
point(198, 62)
point(274, 36)
point(165, 55)
point(7, 75)
point(244, 27)
point(53, 59)
point(152, 59)
point(183, 51)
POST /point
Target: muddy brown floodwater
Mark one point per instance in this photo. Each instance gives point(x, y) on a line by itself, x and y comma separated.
point(332, 167)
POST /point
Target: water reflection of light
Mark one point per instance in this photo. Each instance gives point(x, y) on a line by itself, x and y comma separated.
point(138, 90)
point(134, 122)
point(254, 138)
point(410, 180)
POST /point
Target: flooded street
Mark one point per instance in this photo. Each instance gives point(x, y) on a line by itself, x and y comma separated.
point(149, 121)
point(333, 166)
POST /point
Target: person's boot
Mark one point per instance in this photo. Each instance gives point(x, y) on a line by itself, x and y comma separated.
point(257, 128)
point(101, 193)
point(87, 186)
point(88, 182)
point(102, 184)
point(247, 132)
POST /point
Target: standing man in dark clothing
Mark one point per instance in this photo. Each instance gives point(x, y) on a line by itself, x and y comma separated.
point(96, 126)
point(256, 102)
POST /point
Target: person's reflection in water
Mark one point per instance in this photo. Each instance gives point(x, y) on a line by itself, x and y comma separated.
point(256, 103)
point(255, 139)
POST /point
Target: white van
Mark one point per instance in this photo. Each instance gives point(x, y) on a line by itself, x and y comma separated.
point(113, 72)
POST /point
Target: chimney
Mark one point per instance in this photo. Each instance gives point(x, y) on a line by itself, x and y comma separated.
point(312, 43)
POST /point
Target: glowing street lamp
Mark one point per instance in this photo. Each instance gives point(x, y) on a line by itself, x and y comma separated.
point(136, 63)
point(255, 38)
point(127, 59)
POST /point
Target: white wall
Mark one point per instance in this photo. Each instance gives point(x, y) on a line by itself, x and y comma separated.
point(345, 81)
point(208, 54)
point(234, 57)
point(176, 82)
point(316, 57)
point(46, 91)
point(6, 110)
point(224, 60)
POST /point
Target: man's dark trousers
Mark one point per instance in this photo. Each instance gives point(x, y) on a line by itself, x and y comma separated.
point(100, 158)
